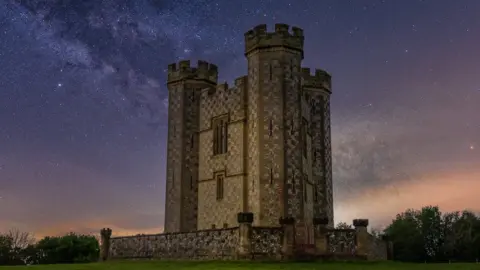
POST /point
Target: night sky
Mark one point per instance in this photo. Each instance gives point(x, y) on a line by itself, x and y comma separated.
point(83, 102)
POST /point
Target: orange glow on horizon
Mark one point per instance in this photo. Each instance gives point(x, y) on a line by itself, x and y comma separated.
point(451, 192)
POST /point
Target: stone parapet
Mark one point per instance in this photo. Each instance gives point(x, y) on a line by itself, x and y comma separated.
point(258, 38)
point(319, 80)
point(204, 71)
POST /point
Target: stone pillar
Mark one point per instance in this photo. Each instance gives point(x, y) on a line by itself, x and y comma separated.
point(362, 237)
point(389, 245)
point(321, 243)
point(288, 241)
point(105, 235)
point(245, 220)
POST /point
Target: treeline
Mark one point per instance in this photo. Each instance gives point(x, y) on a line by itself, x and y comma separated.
point(425, 235)
point(20, 248)
point(428, 235)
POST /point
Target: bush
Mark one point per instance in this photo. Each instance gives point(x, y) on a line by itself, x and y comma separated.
point(70, 248)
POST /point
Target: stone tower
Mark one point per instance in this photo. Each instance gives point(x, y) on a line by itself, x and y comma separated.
point(184, 85)
point(289, 171)
point(263, 145)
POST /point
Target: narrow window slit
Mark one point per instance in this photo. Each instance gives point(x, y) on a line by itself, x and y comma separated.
point(271, 176)
point(271, 71)
point(270, 128)
point(293, 182)
point(291, 69)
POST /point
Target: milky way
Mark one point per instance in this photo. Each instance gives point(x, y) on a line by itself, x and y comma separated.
point(83, 102)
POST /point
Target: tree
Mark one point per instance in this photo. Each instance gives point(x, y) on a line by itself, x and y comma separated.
point(70, 248)
point(405, 233)
point(343, 225)
point(430, 221)
point(428, 235)
point(5, 250)
point(20, 240)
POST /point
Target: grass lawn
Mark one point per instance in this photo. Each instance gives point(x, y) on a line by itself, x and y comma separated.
point(147, 265)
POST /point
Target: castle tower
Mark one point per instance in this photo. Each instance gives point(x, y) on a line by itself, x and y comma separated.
point(273, 118)
point(316, 92)
point(280, 126)
point(184, 85)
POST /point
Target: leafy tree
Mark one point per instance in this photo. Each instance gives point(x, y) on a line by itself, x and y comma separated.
point(70, 248)
point(428, 235)
point(430, 221)
point(5, 250)
point(405, 233)
point(343, 225)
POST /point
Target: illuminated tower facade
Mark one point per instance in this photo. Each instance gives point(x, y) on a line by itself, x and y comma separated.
point(262, 145)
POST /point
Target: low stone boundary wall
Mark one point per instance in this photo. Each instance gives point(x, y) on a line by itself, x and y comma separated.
point(206, 244)
point(249, 242)
point(266, 242)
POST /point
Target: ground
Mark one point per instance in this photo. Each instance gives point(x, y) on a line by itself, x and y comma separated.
point(148, 265)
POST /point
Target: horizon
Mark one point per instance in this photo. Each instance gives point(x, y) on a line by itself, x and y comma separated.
point(83, 112)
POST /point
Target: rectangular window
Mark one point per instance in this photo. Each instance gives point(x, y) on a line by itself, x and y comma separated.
point(220, 136)
point(304, 136)
point(220, 181)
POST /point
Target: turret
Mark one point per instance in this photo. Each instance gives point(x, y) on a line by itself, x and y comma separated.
point(259, 38)
point(204, 71)
point(320, 80)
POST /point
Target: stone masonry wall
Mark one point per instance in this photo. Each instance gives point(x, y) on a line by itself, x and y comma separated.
point(275, 165)
point(377, 249)
point(213, 103)
point(316, 93)
point(174, 160)
point(266, 241)
point(207, 244)
point(220, 213)
point(246, 242)
point(253, 138)
point(184, 84)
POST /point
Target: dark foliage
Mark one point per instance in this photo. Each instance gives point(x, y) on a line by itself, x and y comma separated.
point(427, 235)
point(70, 248)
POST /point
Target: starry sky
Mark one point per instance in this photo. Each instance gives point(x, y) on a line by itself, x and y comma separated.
point(83, 102)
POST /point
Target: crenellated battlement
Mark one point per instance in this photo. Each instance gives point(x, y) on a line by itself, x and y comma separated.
point(240, 81)
point(223, 87)
point(204, 71)
point(320, 79)
point(260, 38)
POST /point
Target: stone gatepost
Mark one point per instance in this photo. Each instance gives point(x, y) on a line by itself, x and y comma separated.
point(105, 235)
point(320, 232)
point(288, 241)
point(389, 245)
point(245, 220)
point(362, 237)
